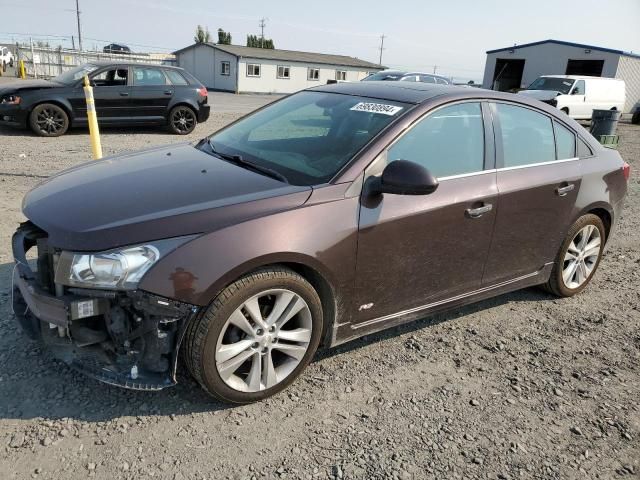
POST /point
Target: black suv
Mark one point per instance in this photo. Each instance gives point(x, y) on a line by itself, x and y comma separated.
point(125, 94)
point(117, 48)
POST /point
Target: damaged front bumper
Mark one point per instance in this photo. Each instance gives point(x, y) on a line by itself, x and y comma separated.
point(124, 338)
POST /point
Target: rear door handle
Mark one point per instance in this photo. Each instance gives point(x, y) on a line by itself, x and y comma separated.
point(562, 191)
point(124, 94)
point(479, 211)
point(168, 92)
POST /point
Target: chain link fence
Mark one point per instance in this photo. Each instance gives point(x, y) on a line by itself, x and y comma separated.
point(46, 62)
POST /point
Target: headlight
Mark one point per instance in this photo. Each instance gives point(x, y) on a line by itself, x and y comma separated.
point(10, 100)
point(120, 269)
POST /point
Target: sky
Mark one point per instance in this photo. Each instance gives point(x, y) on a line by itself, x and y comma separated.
point(448, 36)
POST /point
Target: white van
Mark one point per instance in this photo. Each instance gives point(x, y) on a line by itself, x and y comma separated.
point(578, 96)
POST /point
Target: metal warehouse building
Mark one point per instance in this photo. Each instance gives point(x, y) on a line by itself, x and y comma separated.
point(240, 69)
point(516, 67)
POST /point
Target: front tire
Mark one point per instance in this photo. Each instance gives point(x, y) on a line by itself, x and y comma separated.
point(578, 257)
point(182, 120)
point(49, 120)
point(256, 337)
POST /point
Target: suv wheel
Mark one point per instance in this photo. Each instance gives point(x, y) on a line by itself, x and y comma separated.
point(182, 120)
point(256, 337)
point(578, 257)
point(49, 120)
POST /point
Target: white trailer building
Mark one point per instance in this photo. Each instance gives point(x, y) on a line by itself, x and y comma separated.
point(241, 69)
point(516, 67)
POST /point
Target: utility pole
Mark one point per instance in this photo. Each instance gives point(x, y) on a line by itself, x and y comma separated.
point(262, 25)
point(435, 67)
point(79, 29)
point(381, 49)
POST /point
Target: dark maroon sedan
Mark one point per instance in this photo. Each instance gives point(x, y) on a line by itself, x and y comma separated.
point(330, 214)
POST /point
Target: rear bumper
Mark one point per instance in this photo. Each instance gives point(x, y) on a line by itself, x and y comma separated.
point(203, 113)
point(129, 339)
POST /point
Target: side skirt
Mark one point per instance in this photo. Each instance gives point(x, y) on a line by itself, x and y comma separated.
point(346, 332)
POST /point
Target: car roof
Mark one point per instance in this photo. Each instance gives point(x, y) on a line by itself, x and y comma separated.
point(407, 92)
point(418, 92)
point(104, 63)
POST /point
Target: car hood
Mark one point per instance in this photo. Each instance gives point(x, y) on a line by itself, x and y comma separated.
point(158, 193)
point(541, 94)
point(27, 85)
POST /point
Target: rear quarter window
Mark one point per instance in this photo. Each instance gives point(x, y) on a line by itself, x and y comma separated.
point(584, 150)
point(176, 77)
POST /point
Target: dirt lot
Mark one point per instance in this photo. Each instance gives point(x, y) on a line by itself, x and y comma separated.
point(520, 386)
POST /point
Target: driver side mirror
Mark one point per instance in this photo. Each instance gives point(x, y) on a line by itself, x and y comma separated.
point(402, 177)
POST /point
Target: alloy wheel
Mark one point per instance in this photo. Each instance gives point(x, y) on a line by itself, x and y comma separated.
point(50, 120)
point(264, 340)
point(581, 256)
point(183, 120)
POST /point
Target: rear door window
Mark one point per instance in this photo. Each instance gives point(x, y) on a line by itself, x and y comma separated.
point(527, 136)
point(449, 141)
point(143, 76)
point(565, 142)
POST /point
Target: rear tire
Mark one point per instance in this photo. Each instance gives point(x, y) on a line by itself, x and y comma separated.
point(578, 257)
point(242, 354)
point(49, 120)
point(182, 120)
point(636, 117)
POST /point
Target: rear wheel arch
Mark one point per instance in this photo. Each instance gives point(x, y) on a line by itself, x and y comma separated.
point(606, 218)
point(565, 110)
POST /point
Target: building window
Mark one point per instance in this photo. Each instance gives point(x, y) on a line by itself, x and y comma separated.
point(341, 75)
point(253, 70)
point(225, 68)
point(313, 74)
point(284, 72)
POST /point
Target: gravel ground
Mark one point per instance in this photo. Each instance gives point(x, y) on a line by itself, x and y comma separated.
point(521, 386)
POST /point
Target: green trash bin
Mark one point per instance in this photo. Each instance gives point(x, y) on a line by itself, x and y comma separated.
point(604, 122)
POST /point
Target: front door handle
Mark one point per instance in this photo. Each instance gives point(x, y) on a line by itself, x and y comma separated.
point(566, 188)
point(479, 211)
point(124, 94)
point(168, 92)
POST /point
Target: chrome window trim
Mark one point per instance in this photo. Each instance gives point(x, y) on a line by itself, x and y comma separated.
point(518, 167)
point(463, 175)
point(503, 169)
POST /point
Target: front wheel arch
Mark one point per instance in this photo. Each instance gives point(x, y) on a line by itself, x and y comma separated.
point(315, 276)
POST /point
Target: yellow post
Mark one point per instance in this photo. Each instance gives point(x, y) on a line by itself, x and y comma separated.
point(92, 118)
point(23, 72)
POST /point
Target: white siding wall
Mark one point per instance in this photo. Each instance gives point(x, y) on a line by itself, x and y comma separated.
point(205, 63)
point(629, 71)
point(548, 59)
point(269, 83)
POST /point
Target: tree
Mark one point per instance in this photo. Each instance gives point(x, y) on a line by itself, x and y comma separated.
point(224, 38)
point(202, 35)
point(254, 41)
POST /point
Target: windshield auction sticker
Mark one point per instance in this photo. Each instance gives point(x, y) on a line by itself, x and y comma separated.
point(376, 108)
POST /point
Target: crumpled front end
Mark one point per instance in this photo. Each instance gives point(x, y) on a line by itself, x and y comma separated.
point(124, 338)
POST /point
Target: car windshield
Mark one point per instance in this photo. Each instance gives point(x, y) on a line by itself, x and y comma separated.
point(382, 76)
point(71, 76)
point(307, 137)
point(562, 85)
